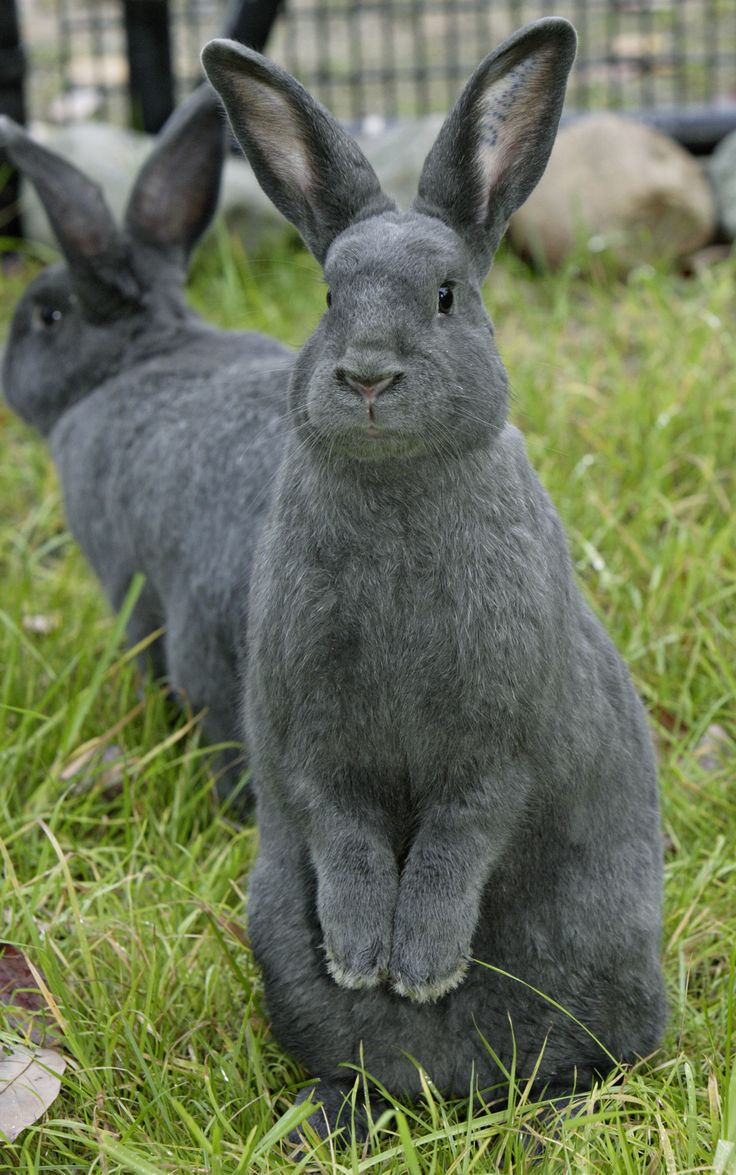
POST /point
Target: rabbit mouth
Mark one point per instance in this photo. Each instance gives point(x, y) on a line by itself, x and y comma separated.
point(374, 432)
point(375, 442)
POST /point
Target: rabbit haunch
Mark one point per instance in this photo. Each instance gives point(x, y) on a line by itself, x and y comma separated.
point(165, 432)
point(450, 760)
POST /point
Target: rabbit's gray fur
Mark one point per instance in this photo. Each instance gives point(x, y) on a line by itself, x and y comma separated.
point(165, 431)
point(450, 759)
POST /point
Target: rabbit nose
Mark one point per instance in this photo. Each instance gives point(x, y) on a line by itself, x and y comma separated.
point(368, 386)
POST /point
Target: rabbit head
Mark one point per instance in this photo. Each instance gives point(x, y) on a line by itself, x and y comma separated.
point(119, 287)
point(404, 361)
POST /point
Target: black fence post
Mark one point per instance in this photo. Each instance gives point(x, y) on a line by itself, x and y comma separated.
point(148, 38)
point(147, 34)
point(251, 21)
point(12, 102)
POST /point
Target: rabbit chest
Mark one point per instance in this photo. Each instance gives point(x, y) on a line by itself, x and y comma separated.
point(403, 638)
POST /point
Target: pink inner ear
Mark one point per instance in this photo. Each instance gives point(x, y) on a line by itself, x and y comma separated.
point(508, 112)
point(272, 125)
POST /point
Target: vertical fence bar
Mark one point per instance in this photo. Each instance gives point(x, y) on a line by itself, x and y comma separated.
point(12, 103)
point(290, 38)
point(324, 61)
point(64, 44)
point(390, 87)
point(613, 55)
point(481, 25)
point(581, 74)
point(711, 48)
point(357, 86)
point(251, 21)
point(149, 61)
point(421, 70)
point(95, 24)
point(646, 53)
point(452, 50)
point(680, 81)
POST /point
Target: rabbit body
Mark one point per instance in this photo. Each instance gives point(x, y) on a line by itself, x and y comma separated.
point(165, 432)
point(179, 495)
point(470, 776)
point(450, 759)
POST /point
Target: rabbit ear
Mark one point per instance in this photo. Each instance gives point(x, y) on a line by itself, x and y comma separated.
point(93, 247)
point(495, 143)
point(175, 196)
point(314, 172)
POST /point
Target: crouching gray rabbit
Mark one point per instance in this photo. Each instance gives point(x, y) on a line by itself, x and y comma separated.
point(450, 760)
point(165, 431)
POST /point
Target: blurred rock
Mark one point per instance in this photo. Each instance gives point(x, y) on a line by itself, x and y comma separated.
point(112, 156)
point(616, 185)
point(722, 172)
point(398, 153)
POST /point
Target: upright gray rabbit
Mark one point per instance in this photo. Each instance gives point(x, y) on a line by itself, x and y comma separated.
point(166, 432)
point(450, 760)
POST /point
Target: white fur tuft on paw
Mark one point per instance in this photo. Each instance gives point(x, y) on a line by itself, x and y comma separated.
point(353, 980)
point(429, 993)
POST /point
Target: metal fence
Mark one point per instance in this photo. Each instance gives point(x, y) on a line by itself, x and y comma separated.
point(380, 59)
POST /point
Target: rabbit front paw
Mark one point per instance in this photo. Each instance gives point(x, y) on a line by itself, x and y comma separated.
point(355, 906)
point(356, 960)
point(426, 964)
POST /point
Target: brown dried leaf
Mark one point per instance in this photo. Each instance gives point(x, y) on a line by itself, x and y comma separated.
point(23, 1007)
point(669, 721)
point(230, 926)
point(75, 765)
point(235, 929)
point(30, 1080)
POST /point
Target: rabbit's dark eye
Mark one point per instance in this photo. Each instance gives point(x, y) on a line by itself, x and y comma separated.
point(48, 315)
point(329, 298)
point(445, 298)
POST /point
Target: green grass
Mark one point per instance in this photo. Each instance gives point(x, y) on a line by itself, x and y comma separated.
point(130, 899)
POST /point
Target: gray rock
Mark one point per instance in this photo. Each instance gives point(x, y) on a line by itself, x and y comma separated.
point(112, 156)
point(397, 152)
point(722, 171)
point(108, 154)
point(616, 184)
